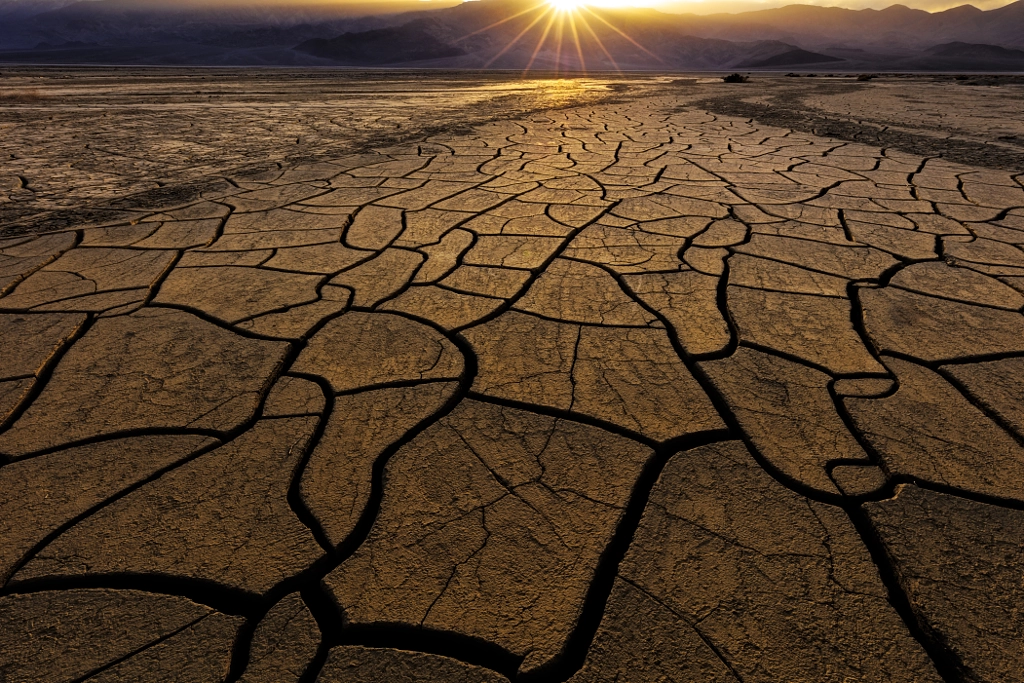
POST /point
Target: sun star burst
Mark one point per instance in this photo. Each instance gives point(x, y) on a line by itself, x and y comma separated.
point(565, 5)
point(563, 25)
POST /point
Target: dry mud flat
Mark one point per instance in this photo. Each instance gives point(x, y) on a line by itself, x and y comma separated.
point(627, 392)
point(92, 144)
point(969, 119)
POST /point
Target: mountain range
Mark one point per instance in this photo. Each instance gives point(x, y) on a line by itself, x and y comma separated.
point(512, 34)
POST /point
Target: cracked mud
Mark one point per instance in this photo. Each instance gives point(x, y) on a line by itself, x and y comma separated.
point(630, 391)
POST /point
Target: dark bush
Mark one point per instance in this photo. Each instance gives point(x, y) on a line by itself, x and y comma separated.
point(735, 78)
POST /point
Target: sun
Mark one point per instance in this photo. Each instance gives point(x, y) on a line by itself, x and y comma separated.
point(564, 22)
point(565, 5)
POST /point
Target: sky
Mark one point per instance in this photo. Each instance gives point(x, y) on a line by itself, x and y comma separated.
point(707, 6)
point(712, 6)
point(674, 6)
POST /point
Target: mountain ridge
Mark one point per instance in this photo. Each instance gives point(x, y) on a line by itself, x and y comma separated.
point(457, 36)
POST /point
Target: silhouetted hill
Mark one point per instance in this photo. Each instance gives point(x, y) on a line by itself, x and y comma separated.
point(148, 23)
point(896, 27)
point(974, 51)
point(512, 34)
point(795, 57)
point(408, 43)
point(969, 57)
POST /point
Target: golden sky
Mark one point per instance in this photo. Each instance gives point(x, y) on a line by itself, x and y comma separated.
point(674, 6)
point(712, 6)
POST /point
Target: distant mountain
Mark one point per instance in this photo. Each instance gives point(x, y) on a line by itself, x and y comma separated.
point(969, 57)
point(408, 43)
point(896, 27)
point(796, 57)
point(513, 34)
point(510, 34)
point(974, 51)
point(150, 23)
point(27, 8)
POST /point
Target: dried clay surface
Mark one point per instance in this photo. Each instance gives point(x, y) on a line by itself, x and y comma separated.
point(632, 390)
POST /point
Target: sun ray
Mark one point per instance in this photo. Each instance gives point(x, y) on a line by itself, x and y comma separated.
point(612, 27)
point(540, 44)
point(559, 32)
point(576, 39)
point(597, 40)
point(559, 12)
point(507, 19)
point(516, 39)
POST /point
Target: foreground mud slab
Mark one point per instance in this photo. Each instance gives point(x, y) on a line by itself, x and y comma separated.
point(624, 392)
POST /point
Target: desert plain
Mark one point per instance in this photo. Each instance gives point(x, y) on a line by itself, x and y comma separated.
point(440, 376)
